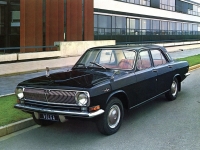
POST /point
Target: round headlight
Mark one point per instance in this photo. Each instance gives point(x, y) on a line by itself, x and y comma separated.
point(82, 99)
point(19, 92)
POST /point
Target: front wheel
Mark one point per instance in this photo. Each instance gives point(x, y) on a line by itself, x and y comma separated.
point(42, 122)
point(110, 122)
point(173, 92)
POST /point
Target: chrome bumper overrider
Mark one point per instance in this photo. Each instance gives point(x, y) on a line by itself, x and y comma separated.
point(187, 74)
point(65, 113)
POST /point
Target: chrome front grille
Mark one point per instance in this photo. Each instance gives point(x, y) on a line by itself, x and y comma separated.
point(51, 96)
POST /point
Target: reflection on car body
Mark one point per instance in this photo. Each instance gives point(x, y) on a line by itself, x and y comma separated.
point(105, 81)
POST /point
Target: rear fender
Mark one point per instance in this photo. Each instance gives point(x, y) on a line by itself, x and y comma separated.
point(178, 77)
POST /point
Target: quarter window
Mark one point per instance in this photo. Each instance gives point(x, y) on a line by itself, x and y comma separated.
point(143, 61)
point(158, 58)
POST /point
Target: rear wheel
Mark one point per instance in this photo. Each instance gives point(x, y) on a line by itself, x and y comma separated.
point(173, 92)
point(42, 122)
point(110, 122)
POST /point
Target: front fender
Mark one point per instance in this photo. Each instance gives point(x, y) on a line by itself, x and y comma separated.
point(120, 94)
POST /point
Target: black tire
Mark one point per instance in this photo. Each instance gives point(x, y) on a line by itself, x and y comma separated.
point(42, 122)
point(173, 92)
point(110, 121)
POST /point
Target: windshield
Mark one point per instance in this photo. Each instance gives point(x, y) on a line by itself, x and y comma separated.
point(112, 59)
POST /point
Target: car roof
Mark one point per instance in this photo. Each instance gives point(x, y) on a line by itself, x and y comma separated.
point(129, 47)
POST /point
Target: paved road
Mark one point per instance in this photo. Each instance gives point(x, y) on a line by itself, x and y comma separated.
point(8, 83)
point(158, 125)
point(185, 53)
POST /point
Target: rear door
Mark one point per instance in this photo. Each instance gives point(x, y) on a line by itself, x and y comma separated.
point(164, 70)
point(146, 77)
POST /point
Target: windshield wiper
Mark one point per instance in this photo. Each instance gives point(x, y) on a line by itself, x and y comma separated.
point(98, 65)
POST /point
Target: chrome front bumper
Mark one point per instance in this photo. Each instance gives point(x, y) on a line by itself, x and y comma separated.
point(83, 114)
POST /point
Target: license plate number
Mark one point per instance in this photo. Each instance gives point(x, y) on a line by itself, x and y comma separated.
point(49, 117)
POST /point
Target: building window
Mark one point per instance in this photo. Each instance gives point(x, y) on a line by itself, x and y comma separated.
point(119, 26)
point(2, 20)
point(199, 29)
point(139, 2)
point(172, 28)
point(195, 29)
point(104, 25)
point(146, 27)
point(199, 11)
point(133, 26)
point(156, 27)
point(185, 28)
point(2, 26)
point(179, 28)
point(167, 4)
point(95, 25)
point(187, 8)
point(164, 27)
point(145, 2)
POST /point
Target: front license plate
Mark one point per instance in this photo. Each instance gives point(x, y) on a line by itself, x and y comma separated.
point(49, 117)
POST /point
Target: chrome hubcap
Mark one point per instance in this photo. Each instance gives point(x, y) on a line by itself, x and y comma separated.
point(174, 88)
point(114, 116)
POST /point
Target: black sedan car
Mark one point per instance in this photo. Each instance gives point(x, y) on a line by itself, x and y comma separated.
point(102, 84)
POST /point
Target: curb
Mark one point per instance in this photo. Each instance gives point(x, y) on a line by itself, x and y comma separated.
point(7, 95)
point(13, 127)
point(194, 67)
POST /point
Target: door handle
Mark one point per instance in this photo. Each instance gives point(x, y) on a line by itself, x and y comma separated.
point(170, 66)
point(154, 70)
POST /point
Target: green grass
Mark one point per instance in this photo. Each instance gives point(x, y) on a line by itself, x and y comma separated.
point(8, 114)
point(192, 60)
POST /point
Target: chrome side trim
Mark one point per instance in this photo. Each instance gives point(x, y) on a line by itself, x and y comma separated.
point(58, 112)
point(187, 74)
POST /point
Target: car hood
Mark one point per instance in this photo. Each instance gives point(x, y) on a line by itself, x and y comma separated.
point(73, 78)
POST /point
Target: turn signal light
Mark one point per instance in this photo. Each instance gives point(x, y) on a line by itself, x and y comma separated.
point(94, 108)
point(18, 101)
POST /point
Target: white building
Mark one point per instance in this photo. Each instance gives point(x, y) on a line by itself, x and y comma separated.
point(146, 20)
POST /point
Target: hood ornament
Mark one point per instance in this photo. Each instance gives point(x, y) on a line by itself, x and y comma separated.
point(47, 71)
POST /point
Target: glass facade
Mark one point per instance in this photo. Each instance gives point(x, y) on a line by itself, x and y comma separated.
point(10, 23)
point(171, 5)
point(14, 22)
point(2, 25)
point(139, 2)
point(114, 27)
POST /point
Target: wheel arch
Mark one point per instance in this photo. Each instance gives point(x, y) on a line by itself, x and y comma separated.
point(122, 96)
point(178, 77)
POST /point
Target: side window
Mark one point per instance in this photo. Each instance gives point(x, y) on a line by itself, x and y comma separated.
point(129, 54)
point(127, 59)
point(143, 61)
point(107, 56)
point(158, 58)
